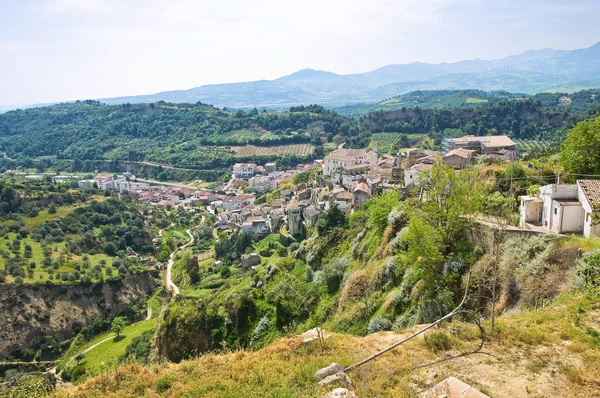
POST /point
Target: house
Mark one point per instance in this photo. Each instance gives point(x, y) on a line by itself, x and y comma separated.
point(563, 208)
point(411, 178)
point(458, 158)
point(486, 145)
point(311, 215)
point(342, 158)
point(415, 154)
point(342, 200)
point(589, 197)
point(244, 170)
point(250, 260)
point(270, 167)
point(360, 194)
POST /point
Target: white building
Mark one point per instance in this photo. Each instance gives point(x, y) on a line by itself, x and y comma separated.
point(563, 208)
point(244, 170)
point(343, 158)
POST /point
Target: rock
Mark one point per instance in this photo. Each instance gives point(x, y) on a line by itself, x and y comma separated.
point(340, 393)
point(339, 377)
point(332, 369)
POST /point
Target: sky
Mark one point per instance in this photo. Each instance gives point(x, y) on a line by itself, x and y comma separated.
point(61, 50)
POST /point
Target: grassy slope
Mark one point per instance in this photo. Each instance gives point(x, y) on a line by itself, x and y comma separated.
point(106, 354)
point(544, 352)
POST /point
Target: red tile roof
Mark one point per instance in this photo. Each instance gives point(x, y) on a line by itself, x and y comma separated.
point(591, 190)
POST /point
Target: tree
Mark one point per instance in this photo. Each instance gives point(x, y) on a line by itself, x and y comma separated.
point(192, 269)
point(580, 152)
point(332, 218)
point(52, 208)
point(118, 324)
point(79, 357)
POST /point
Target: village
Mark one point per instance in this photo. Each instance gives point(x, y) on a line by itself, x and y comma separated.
point(260, 199)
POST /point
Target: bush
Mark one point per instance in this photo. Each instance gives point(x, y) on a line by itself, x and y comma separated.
point(378, 324)
point(262, 326)
point(164, 383)
point(437, 341)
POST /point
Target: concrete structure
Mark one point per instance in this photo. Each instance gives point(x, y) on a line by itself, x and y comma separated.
point(486, 145)
point(563, 208)
point(589, 196)
point(244, 170)
point(412, 175)
point(311, 215)
point(343, 158)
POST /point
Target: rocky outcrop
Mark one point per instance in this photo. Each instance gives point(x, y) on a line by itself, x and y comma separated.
point(30, 312)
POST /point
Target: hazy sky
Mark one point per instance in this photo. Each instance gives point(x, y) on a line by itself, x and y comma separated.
point(53, 50)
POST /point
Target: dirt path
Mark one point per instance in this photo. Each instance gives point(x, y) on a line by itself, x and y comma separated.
point(72, 358)
point(149, 310)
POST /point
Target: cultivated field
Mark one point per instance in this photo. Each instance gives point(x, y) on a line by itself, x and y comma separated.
point(390, 142)
point(534, 145)
point(294, 149)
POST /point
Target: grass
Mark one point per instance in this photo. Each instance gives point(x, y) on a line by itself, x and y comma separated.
point(106, 354)
point(475, 101)
point(40, 274)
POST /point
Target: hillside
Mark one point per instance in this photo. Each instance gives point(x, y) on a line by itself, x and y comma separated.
point(544, 352)
point(580, 101)
point(528, 72)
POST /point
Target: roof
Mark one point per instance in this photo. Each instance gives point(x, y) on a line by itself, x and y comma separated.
point(591, 190)
point(460, 152)
point(311, 211)
point(344, 195)
point(421, 167)
point(349, 154)
point(244, 165)
point(361, 186)
point(486, 141)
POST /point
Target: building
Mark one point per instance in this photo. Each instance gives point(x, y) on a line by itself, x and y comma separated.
point(360, 194)
point(311, 215)
point(343, 158)
point(294, 217)
point(563, 208)
point(458, 158)
point(244, 170)
point(589, 196)
point(412, 175)
point(486, 145)
point(270, 167)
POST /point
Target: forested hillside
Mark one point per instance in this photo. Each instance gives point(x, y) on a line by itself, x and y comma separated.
point(183, 135)
point(547, 117)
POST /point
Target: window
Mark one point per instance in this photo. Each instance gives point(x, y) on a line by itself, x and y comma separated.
point(556, 210)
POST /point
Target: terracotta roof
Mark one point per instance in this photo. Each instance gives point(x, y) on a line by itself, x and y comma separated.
point(486, 141)
point(361, 186)
point(421, 167)
point(460, 152)
point(591, 190)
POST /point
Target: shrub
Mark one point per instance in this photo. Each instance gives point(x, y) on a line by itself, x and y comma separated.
point(164, 383)
point(378, 324)
point(437, 341)
point(262, 326)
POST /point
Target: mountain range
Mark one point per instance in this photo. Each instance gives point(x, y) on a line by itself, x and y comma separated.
point(530, 72)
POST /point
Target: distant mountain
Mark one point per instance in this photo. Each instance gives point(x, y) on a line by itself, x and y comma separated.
point(532, 71)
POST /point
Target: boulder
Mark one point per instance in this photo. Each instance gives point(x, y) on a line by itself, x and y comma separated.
point(332, 369)
point(339, 377)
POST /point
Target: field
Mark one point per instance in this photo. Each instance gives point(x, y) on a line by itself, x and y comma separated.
point(391, 142)
point(301, 150)
point(107, 353)
point(534, 145)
